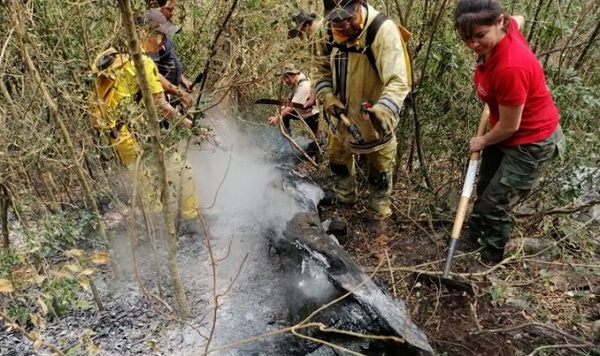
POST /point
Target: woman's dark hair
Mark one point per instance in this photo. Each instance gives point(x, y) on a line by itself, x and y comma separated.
point(471, 13)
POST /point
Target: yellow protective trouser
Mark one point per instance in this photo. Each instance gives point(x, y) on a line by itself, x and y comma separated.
point(180, 177)
point(381, 165)
point(126, 146)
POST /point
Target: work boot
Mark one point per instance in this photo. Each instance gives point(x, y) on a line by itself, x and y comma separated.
point(491, 255)
point(376, 227)
point(330, 199)
point(465, 244)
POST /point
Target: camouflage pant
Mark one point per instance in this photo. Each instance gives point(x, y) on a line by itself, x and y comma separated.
point(381, 166)
point(506, 177)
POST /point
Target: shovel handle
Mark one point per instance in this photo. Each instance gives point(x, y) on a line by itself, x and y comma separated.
point(352, 129)
point(466, 193)
point(469, 178)
point(483, 121)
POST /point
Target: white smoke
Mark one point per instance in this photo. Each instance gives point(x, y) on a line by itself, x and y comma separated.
point(245, 188)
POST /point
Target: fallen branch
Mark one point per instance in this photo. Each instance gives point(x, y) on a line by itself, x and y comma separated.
point(560, 263)
point(483, 273)
point(416, 269)
point(567, 209)
point(556, 243)
point(389, 263)
point(295, 144)
point(473, 307)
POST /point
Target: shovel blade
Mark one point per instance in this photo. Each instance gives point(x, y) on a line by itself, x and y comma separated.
point(451, 285)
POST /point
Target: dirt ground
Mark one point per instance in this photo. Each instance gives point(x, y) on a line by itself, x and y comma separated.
point(528, 305)
point(520, 306)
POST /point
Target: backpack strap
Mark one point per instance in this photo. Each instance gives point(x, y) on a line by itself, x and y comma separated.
point(404, 37)
point(370, 37)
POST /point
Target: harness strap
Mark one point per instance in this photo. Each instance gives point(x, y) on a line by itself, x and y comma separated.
point(371, 33)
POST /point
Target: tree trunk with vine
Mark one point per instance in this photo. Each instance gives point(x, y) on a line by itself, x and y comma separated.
point(168, 210)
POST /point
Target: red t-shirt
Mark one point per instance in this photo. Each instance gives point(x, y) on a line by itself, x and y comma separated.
point(512, 76)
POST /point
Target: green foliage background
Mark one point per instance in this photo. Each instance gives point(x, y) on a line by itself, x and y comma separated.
point(64, 37)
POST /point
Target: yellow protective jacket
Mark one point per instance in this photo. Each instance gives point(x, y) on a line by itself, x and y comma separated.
point(350, 76)
point(116, 87)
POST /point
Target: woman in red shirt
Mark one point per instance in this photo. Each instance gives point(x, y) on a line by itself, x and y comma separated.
point(524, 133)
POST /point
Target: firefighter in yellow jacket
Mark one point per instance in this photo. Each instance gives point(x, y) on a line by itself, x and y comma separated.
point(116, 115)
point(362, 96)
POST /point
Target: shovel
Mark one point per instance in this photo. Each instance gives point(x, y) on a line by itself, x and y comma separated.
point(460, 217)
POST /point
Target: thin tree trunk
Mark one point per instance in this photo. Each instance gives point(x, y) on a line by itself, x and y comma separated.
point(410, 161)
point(587, 47)
point(401, 14)
point(8, 100)
point(205, 71)
point(419, 147)
point(421, 156)
point(541, 43)
point(4, 203)
point(20, 34)
point(575, 33)
point(534, 23)
point(213, 48)
point(4, 196)
point(48, 191)
point(436, 23)
point(134, 47)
